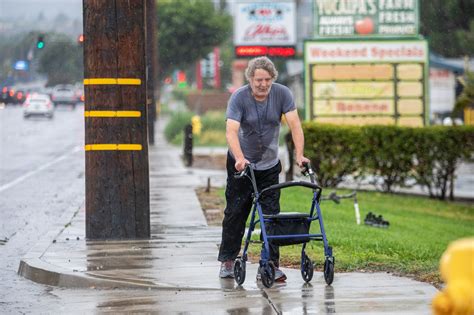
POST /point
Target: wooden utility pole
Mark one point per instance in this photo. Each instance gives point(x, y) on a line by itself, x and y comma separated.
point(151, 64)
point(117, 175)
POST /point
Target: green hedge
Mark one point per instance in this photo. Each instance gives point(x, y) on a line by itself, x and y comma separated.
point(428, 156)
point(439, 150)
point(334, 151)
point(387, 153)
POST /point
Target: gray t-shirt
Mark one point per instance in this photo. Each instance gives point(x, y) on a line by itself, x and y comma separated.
point(260, 122)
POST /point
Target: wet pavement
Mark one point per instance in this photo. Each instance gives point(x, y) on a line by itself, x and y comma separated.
point(176, 271)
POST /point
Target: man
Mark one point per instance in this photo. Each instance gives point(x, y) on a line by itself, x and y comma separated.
point(253, 122)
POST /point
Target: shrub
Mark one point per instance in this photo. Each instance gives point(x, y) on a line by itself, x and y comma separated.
point(334, 151)
point(213, 120)
point(211, 138)
point(439, 151)
point(429, 155)
point(176, 124)
point(212, 130)
point(181, 94)
point(388, 153)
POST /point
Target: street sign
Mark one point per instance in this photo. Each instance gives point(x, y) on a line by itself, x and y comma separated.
point(21, 65)
point(207, 66)
point(366, 18)
point(367, 82)
point(265, 28)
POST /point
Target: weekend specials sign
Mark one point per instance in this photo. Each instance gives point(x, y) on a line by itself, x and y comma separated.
point(366, 18)
point(369, 82)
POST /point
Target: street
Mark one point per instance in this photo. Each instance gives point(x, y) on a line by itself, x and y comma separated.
point(41, 185)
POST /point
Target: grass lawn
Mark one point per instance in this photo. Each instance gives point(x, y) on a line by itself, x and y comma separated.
point(419, 232)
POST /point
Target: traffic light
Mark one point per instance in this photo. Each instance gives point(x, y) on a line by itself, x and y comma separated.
point(80, 39)
point(40, 42)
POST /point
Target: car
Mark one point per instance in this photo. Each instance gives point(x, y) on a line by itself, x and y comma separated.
point(5, 95)
point(8, 95)
point(80, 94)
point(38, 105)
point(19, 97)
point(64, 94)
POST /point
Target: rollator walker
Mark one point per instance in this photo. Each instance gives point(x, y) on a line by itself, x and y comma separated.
point(286, 228)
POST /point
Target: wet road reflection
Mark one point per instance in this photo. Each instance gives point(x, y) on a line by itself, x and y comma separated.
point(329, 300)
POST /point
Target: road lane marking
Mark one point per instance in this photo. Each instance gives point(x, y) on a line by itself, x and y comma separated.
point(39, 169)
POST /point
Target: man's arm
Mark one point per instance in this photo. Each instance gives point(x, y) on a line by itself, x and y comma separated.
point(298, 137)
point(232, 136)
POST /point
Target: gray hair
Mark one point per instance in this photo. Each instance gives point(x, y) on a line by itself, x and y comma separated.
point(261, 63)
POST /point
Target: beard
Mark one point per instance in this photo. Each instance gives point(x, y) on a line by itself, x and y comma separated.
point(260, 92)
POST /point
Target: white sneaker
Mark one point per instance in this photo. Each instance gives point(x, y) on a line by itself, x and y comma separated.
point(227, 269)
point(279, 275)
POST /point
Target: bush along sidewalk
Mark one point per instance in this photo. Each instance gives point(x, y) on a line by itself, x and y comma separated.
point(428, 156)
point(211, 131)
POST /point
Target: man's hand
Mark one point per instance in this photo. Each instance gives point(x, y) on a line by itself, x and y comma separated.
point(300, 160)
point(240, 164)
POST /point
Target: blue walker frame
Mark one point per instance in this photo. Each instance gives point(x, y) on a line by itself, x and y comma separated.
point(266, 267)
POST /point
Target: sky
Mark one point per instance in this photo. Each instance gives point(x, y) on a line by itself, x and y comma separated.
point(32, 8)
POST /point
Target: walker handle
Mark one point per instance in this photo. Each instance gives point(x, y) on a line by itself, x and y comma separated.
point(242, 173)
point(307, 169)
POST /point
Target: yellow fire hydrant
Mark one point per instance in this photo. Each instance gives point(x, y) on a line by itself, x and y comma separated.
point(197, 125)
point(457, 272)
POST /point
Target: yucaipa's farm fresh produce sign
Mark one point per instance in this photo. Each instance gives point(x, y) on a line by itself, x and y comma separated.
point(366, 18)
point(367, 82)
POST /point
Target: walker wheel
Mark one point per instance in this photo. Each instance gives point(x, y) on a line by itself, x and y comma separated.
point(307, 269)
point(267, 272)
point(329, 270)
point(239, 271)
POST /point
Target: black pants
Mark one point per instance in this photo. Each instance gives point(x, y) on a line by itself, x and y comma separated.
point(238, 195)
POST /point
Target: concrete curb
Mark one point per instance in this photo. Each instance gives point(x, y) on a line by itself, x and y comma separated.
point(33, 267)
point(39, 271)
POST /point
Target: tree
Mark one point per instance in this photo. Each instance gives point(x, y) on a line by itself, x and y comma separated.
point(187, 31)
point(62, 61)
point(466, 98)
point(449, 26)
point(16, 47)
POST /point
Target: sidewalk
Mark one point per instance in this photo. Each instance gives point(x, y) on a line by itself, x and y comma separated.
point(180, 262)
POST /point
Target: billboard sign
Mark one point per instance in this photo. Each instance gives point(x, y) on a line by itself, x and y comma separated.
point(366, 18)
point(367, 82)
point(21, 65)
point(265, 24)
point(442, 90)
